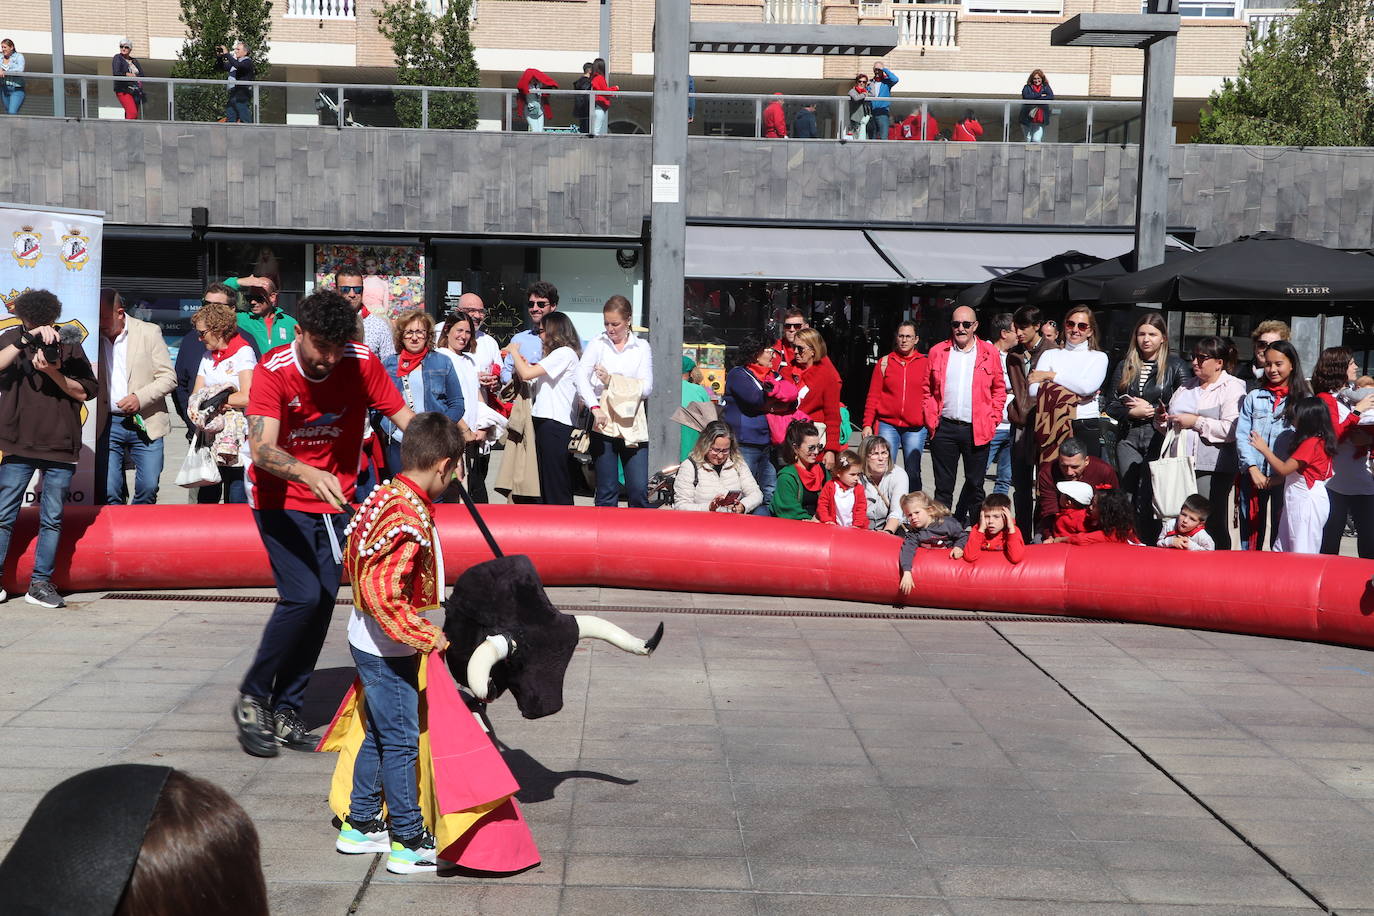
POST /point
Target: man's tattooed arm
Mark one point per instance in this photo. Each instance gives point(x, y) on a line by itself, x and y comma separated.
point(267, 455)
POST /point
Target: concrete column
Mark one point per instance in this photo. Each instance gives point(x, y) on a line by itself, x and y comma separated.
point(59, 60)
point(668, 226)
point(1156, 130)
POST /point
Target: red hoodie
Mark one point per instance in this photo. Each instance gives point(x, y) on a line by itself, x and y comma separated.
point(774, 121)
point(897, 392)
point(822, 401)
point(599, 84)
point(967, 131)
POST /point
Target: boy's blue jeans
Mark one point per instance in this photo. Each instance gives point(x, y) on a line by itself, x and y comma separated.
point(386, 761)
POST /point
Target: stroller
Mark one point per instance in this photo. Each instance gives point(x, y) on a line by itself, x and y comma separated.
point(329, 110)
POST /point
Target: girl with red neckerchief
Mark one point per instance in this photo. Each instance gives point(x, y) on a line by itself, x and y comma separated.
point(1266, 411)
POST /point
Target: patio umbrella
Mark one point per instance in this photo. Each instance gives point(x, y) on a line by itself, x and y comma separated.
point(1264, 267)
point(1085, 286)
point(1009, 291)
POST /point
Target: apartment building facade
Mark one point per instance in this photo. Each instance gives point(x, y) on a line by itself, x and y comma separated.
point(951, 49)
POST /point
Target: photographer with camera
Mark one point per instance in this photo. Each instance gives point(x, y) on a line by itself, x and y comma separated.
point(264, 325)
point(241, 69)
point(44, 379)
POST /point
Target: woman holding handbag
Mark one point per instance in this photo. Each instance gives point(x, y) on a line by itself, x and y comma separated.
point(554, 384)
point(1035, 117)
point(227, 366)
point(1145, 378)
point(613, 365)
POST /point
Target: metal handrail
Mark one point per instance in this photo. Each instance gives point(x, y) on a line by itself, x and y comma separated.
point(1118, 115)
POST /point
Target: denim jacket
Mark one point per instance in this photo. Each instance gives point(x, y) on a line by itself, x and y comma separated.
point(441, 389)
point(1257, 413)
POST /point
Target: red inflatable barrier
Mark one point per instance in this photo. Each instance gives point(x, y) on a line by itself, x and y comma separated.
point(1326, 599)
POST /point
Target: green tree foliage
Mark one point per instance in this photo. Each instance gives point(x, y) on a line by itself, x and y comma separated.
point(1306, 84)
point(432, 50)
point(209, 24)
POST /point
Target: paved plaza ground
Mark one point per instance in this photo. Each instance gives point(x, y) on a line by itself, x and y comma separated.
point(781, 756)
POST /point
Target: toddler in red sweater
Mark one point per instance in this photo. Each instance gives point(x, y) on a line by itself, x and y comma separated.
point(842, 501)
point(996, 532)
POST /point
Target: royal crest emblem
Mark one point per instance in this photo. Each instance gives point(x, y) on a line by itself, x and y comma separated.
point(26, 248)
point(75, 249)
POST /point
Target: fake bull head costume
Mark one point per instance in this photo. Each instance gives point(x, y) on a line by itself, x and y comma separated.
point(505, 634)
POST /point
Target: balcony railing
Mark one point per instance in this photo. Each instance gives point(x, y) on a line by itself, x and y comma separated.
point(318, 105)
point(806, 12)
point(923, 24)
point(321, 9)
point(1264, 23)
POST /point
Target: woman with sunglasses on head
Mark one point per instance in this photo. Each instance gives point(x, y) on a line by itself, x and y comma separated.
point(1144, 379)
point(714, 477)
point(1209, 405)
point(1266, 411)
point(1080, 366)
point(799, 484)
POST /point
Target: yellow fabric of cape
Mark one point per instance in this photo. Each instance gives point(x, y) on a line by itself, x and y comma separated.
point(345, 736)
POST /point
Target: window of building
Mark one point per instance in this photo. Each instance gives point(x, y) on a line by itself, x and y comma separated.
point(1208, 9)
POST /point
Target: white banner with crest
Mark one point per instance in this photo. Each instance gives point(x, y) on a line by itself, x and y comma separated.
point(58, 250)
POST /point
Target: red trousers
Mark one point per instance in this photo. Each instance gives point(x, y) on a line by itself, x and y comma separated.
point(130, 106)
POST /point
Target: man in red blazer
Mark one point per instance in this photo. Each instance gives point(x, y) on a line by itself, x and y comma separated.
point(962, 410)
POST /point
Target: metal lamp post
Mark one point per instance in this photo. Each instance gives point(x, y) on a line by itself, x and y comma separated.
point(1156, 32)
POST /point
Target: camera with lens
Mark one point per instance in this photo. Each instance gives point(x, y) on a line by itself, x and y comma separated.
point(32, 343)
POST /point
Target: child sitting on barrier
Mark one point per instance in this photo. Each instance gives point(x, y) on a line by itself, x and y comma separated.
point(1189, 531)
point(843, 501)
point(395, 564)
point(1110, 519)
point(996, 532)
point(929, 524)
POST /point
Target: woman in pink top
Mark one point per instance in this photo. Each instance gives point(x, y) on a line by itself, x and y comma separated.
point(1209, 405)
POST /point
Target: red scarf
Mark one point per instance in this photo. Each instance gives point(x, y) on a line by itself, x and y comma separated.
point(762, 373)
point(235, 344)
point(407, 362)
point(1280, 392)
point(814, 478)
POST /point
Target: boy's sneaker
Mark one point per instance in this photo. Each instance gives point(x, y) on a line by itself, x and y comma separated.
point(43, 594)
point(290, 731)
point(363, 836)
point(255, 726)
point(413, 856)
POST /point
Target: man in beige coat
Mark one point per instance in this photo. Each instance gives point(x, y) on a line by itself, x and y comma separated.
point(136, 375)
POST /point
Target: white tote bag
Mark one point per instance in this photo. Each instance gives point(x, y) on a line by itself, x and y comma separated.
point(1172, 475)
point(199, 468)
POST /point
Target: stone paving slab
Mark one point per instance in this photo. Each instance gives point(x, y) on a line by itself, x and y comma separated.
point(774, 765)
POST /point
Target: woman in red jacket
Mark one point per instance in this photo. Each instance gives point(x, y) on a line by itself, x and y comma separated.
point(820, 385)
point(896, 396)
point(966, 129)
point(601, 111)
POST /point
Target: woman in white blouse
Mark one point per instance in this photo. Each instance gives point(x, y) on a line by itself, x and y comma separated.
point(228, 360)
point(458, 343)
point(554, 382)
point(1080, 367)
point(617, 352)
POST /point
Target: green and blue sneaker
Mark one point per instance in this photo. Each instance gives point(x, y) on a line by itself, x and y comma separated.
point(356, 838)
point(414, 855)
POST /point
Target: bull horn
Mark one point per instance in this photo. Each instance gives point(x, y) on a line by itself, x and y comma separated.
point(490, 651)
point(592, 627)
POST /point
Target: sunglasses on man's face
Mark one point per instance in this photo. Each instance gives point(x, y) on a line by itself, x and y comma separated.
point(350, 289)
point(212, 302)
point(962, 325)
point(1077, 326)
point(539, 303)
point(794, 327)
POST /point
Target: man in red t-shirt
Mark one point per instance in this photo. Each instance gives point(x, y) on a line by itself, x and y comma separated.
point(306, 411)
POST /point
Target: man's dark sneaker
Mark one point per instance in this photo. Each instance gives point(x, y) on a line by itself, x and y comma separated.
point(291, 732)
point(413, 856)
point(357, 837)
point(255, 726)
point(43, 594)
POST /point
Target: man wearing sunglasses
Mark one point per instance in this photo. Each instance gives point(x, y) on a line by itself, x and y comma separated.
point(264, 325)
point(543, 298)
point(374, 330)
point(963, 407)
point(785, 348)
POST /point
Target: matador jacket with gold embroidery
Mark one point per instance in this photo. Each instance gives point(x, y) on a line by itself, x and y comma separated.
point(390, 559)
